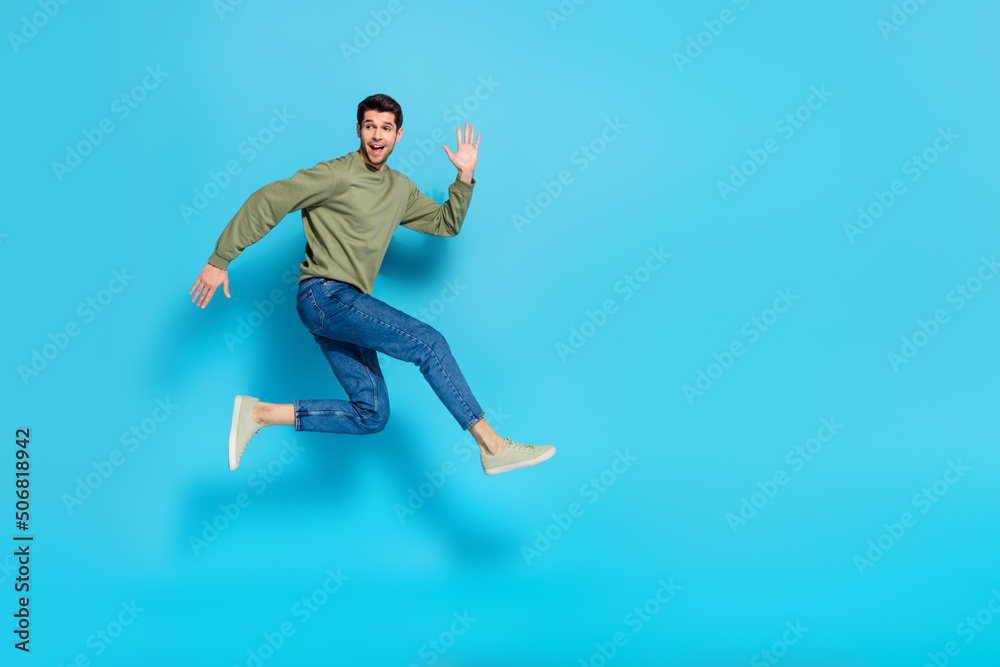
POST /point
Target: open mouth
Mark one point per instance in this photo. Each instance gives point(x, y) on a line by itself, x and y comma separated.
point(376, 149)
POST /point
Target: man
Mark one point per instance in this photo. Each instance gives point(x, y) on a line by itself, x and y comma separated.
point(350, 207)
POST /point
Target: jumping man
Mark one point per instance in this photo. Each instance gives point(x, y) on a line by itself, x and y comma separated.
point(351, 206)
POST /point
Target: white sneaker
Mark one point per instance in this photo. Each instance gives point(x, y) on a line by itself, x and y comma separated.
point(515, 455)
point(244, 428)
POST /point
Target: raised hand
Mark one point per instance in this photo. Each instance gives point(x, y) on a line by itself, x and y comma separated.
point(209, 279)
point(464, 158)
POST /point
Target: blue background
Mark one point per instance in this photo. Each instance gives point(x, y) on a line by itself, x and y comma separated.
point(554, 86)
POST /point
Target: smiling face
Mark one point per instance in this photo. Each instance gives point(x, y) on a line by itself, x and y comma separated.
point(379, 134)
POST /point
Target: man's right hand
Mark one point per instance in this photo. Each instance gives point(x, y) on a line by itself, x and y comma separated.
point(209, 278)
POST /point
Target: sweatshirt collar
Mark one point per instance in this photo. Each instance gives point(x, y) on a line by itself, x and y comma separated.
point(357, 154)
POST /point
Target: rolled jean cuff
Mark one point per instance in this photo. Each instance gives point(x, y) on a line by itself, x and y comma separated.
point(295, 408)
point(474, 420)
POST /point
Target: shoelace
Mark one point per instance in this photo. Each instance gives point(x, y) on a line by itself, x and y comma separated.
point(256, 430)
point(517, 446)
point(247, 443)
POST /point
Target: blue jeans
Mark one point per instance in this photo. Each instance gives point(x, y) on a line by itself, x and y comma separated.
point(350, 326)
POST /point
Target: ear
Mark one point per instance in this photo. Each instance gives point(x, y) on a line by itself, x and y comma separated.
point(399, 134)
point(359, 130)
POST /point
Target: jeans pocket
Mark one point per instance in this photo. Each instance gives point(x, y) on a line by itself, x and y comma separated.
point(309, 311)
point(342, 292)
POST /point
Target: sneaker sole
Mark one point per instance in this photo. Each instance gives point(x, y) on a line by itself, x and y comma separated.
point(522, 464)
point(232, 433)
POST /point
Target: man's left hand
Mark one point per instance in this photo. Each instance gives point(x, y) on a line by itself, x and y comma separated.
point(465, 157)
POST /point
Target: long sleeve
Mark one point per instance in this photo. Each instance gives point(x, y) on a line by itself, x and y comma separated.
point(267, 206)
point(425, 215)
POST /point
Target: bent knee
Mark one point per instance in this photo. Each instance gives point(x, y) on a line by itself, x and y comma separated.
point(432, 343)
point(375, 420)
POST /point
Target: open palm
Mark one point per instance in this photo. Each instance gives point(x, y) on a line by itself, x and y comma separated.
point(464, 158)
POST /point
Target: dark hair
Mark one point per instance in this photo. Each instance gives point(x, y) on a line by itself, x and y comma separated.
point(380, 103)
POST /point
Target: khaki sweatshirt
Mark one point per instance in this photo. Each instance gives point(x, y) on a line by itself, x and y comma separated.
point(349, 212)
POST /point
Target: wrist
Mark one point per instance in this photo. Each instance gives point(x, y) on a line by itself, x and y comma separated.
point(218, 261)
point(465, 176)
